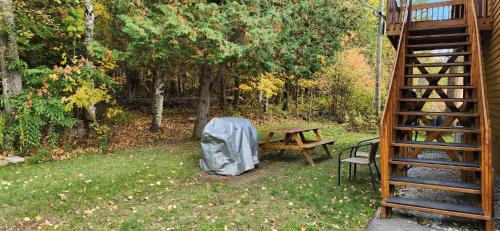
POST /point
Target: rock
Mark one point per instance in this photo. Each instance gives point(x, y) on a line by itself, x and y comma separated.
point(15, 159)
point(3, 163)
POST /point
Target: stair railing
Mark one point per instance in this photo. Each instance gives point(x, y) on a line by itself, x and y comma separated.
point(438, 11)
point(478, 79)
point(483, 9)
point(394, 16)
point(388, 119)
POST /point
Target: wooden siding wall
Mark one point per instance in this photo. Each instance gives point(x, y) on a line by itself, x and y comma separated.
point(491, 52)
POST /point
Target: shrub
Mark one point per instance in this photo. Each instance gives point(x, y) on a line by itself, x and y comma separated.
point(39, 156)
point(349, 86)
point(45, 107)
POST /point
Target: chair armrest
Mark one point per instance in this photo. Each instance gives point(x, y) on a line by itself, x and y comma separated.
point(372, 139)
point(354, 149)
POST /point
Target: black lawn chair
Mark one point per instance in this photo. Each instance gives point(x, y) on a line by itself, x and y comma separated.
point(363, 158)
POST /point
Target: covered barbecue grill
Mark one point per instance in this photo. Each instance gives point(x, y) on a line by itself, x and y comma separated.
point(229, 146)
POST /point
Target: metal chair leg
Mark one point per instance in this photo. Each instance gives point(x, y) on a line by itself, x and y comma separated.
point(355, 170)
point(376, 168)
point(350, 171)
point(372, 178)
point(338, 173)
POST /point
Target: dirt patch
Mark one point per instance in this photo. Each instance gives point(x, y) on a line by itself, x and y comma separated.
point(267, 167)
point(254, 174)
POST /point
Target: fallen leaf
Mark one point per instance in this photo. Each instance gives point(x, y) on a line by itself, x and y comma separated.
point(88, 212)
point(63, 196)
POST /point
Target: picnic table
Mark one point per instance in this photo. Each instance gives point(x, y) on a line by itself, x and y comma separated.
point(295, 140)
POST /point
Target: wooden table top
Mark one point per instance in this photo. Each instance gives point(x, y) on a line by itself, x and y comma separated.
point(293, 130)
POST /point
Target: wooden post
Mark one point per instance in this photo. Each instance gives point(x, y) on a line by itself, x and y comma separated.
point(381, 23)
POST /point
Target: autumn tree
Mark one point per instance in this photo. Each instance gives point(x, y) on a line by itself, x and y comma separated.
point(311, 29)
point(159, 34)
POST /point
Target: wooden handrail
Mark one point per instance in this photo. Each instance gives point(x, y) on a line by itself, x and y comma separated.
point(438, 11)
point(387, 121)
point(477, 71)
point(446, 10)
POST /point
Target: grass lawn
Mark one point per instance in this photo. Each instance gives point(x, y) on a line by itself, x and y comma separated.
point(161, 188)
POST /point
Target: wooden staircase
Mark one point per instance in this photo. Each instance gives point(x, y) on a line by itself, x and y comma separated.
point(421, 116)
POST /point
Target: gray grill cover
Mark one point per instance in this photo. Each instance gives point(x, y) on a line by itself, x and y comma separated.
point(229, 146)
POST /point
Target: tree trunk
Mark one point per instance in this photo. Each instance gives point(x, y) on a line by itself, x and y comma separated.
point(296, 97)
point(9, 55)
point(157, 102)
point(236, 93)
point(180, 80)
point(133, 81)
point(286, 95)
point(89, 37)
point(453, 93)
point(222, 87)
point(204, 100)
point(173, 87)
point(89, 26)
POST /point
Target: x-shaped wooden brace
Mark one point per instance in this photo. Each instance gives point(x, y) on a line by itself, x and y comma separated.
point(434, 81)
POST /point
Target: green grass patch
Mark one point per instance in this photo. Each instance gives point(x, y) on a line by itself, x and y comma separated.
point(160, 187)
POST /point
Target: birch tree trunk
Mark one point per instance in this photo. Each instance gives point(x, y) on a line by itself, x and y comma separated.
point(9, 55)
point(89, 25)
point(157, 102)
point(89, 37)
point(204, 100)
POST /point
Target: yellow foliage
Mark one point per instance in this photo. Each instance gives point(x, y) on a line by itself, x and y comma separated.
point(269, 84)
point(86, 96)
point(245, 87)
point(109, 63)
point(101, 11)
point(113, 112)
point(307, 83)
point(81, 90)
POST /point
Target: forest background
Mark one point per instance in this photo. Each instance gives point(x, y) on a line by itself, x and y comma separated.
point(102, 73)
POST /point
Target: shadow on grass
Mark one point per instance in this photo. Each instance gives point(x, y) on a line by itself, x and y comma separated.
point(293, 156)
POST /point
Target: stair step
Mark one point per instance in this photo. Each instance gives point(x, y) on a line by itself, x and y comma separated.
point(447, 75)
point(438, 129)
point(438, 54)
point(438, 28)
point(442, 208)
point(436, 164)
point(437, 100)
point(438, 87)
point(431, 46)
point(426, 113)
point(437, 36)
point(438, 146)
point(461, 64)
point(451, 186)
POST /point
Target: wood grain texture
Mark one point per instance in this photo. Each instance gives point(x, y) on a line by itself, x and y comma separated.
point(492, 67)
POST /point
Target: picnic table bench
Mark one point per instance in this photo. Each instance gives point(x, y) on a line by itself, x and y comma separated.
point(295, 140)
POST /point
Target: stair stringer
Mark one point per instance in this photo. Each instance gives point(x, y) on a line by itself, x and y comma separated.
point(388, 120)
point(477, 71)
